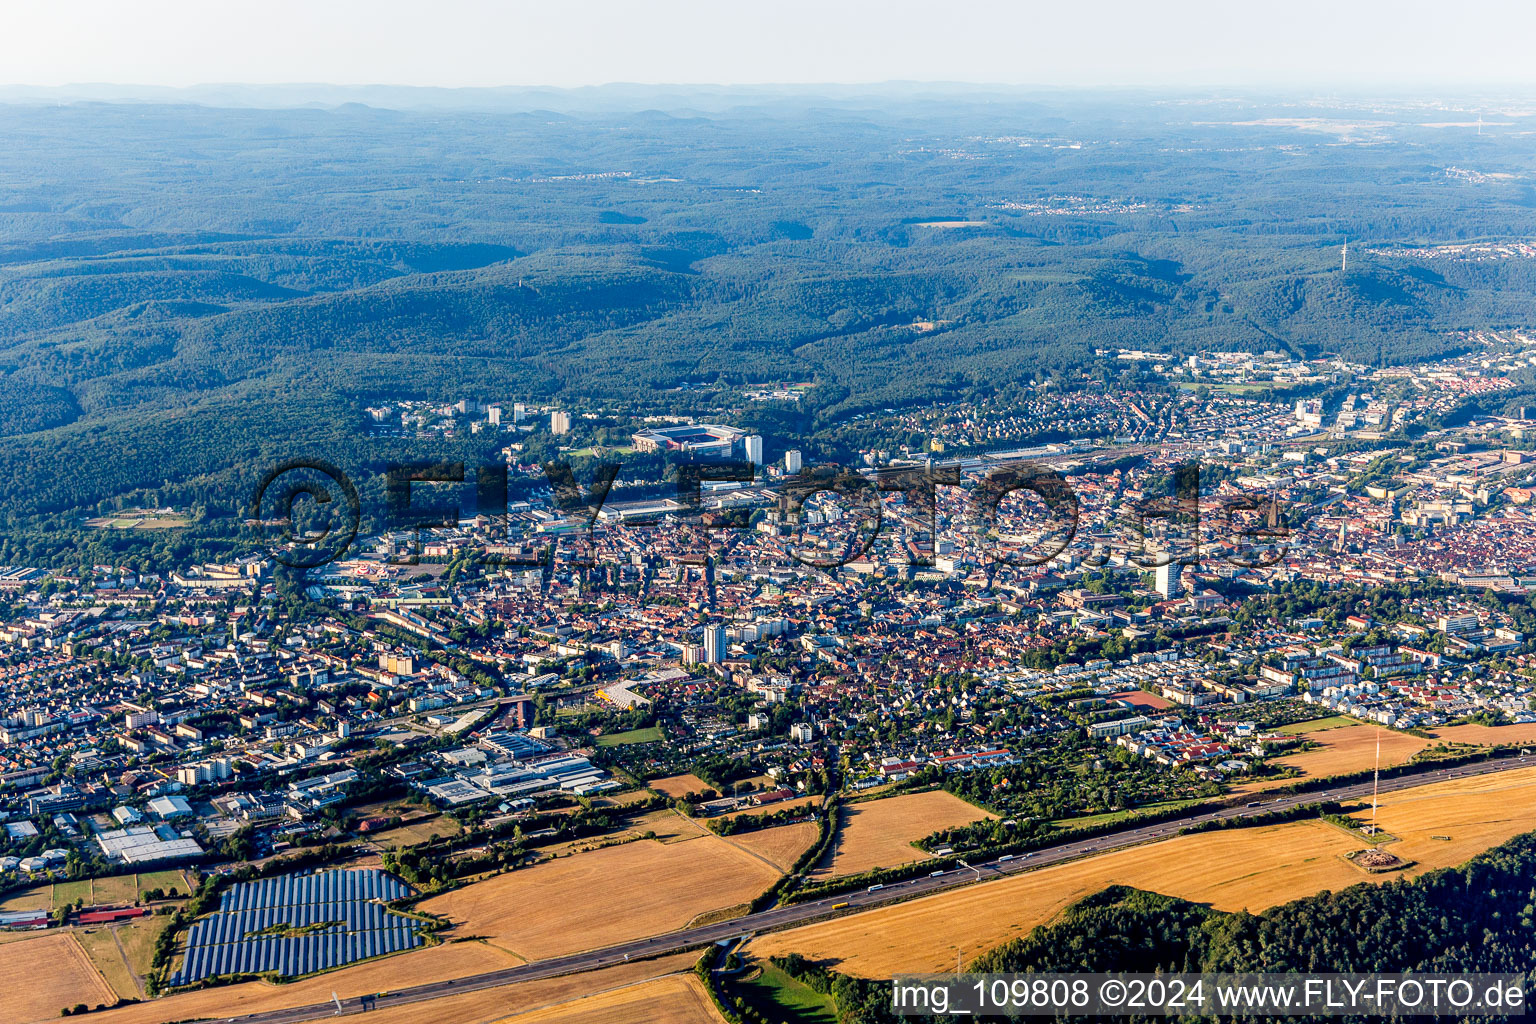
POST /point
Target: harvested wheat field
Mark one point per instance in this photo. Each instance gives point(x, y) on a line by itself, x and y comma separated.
point(467, 1008)
point(532, 996)
point(669, 826)
point(880, 833)
point(1248, 867)
point(46, 974)
point(1353, 749)
point(1474, 813)
point(606, 896)
point(679, 785)
point(1253, 868)
point(1487, 735)
point(435, 963)
point(779, 846)
point(676, 999)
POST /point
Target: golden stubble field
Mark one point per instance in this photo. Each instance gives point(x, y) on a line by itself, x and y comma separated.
point(45, 974)
point(880, 833)
point(1487, 735)
point(606, 896)
point(1253, 868)
point(675, 999)
point(409, 969)
point(419, 967)
point(1352, 748)
point(679, 785)
point(779, 846)
point(1349, 748)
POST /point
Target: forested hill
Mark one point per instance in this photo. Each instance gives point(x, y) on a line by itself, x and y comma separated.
point(207, 285)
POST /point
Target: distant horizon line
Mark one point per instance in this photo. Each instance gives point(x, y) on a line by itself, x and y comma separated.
point(896, 96)
point(951, 85)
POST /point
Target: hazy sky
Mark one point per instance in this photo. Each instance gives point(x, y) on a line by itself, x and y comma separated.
point(1307, 43)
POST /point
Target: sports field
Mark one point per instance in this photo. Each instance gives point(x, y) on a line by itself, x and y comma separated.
point(606, 896)
point(47, 973)
point(624, 739)
point(880, 833)
point(137, 520)
point(1251, 868)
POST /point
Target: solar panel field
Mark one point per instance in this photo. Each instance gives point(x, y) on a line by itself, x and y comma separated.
point(293, 925)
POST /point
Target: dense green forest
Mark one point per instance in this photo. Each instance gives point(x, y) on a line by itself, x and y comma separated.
point(188, 292)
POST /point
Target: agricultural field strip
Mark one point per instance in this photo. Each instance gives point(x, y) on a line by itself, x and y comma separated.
point(799, 914)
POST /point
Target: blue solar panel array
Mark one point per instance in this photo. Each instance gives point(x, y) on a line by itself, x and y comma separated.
point(224, 943)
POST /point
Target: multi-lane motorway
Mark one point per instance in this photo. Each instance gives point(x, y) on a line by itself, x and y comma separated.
point(799, 913)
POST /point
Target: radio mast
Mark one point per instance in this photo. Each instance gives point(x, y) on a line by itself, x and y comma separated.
point(1375, 786)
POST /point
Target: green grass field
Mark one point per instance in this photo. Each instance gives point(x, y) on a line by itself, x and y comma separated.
point(1316, 725)
point(781, 998)
point(624, 739)
point(69, 892)
point(166, 880)
point(138, 939)
point(595, 451)
point(102, 950)
point(117, 889)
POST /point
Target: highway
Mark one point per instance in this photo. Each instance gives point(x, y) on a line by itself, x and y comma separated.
point(800, 913)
